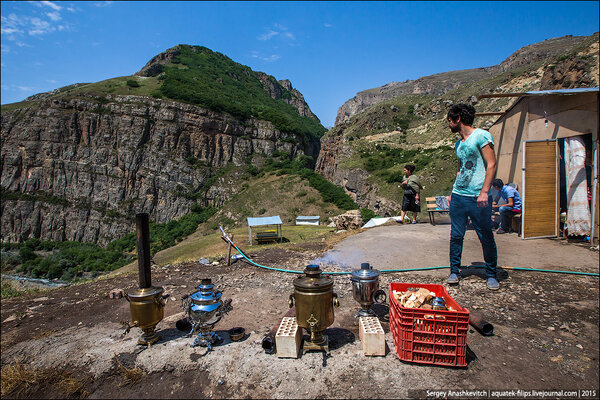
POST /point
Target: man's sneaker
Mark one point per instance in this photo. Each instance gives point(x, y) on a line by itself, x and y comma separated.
point(453, 279)
point(501, 231)
point(493, 284)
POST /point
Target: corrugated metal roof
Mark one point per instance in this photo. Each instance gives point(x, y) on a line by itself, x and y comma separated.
point(275, 220)
point(308, 217)
point(544, 93)
point(561, 91)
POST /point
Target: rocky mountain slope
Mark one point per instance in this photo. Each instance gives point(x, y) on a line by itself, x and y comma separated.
point(78, 163)
point(442, 83)
point(382, 129)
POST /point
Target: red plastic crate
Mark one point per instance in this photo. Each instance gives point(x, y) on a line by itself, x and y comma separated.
point(429, 336)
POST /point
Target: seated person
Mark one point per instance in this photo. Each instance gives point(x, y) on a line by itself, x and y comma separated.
point(512, 206)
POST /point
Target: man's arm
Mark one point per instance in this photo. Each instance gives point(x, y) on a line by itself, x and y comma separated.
point(489, 157)
point(511, 202)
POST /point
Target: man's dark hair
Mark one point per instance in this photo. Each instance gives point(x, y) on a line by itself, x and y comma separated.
point(410, 167)
point(497, 183)
point(466, 112)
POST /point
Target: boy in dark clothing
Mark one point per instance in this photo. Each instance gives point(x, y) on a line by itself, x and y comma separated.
point(412, 187)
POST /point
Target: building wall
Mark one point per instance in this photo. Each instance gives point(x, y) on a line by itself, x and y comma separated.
point(540, 118)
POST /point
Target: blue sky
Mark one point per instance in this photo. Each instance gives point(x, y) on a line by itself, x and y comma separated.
point(328, 50)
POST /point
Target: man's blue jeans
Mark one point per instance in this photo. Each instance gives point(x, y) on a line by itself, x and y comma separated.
point(461, 208)
point(506, 214)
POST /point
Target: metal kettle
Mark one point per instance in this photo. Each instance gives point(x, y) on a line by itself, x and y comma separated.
point(365, 289)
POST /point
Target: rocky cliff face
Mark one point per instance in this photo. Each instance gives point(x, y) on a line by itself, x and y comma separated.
point(81, 168)
point(334, 149)
point(439, 84)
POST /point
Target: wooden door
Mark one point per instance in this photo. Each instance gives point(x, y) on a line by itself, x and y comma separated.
point(540, 189)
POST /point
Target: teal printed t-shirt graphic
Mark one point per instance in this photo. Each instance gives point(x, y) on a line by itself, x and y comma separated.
point(472, 168)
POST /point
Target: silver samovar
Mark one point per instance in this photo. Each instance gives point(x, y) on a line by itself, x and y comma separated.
point(365, 289)
point(204, 309)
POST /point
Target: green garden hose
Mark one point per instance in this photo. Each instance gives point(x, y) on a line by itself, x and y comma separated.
point(290, 271)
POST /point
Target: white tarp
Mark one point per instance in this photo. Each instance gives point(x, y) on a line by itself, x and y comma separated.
point(307, 220)
point(578, 209)
point(379, 221)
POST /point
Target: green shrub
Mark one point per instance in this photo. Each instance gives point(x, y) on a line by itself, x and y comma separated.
point(26, 254)
point(214, 81)
point(367, 214)
point(132, 83)
point(261, 211)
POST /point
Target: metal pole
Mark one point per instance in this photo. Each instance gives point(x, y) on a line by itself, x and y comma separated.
point(143, 248)
point(229, 251)
point(594, 192)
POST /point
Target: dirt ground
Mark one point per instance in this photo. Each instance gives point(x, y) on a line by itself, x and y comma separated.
point(545, 327)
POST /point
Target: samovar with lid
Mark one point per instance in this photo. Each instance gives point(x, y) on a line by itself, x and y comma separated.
point(146, 303)
point(147, 307)
point(204, 309)
point(314, 299)
point(365, 289)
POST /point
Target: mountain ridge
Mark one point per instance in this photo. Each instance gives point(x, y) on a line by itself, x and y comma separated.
point(441, 83)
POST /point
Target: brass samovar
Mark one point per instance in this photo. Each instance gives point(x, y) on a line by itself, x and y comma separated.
point(147, 303)
point(314, 299)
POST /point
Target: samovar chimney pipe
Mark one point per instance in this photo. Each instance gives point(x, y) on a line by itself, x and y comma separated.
point(143, 249)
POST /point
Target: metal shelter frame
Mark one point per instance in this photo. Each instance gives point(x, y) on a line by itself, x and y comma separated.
point(265, 221)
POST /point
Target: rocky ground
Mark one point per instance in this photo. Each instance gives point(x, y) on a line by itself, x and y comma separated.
point(68, 342)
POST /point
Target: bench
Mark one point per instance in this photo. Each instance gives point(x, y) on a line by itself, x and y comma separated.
point(433, 208)
point(515, 222)
point(266, 236)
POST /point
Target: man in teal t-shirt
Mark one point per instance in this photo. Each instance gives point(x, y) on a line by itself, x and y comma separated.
point(469, 199)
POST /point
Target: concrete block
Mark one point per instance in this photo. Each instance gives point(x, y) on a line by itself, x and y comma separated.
point(116, 294)
point(288, 338)
point(372, 336)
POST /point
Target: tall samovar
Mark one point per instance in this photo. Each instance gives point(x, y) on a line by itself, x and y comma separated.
point(365, 289)
point(147, 303)
point(314, 299)
point(204, 309)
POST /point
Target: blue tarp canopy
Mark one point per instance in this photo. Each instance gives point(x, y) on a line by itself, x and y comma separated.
point(258, 221)
point(263, 221)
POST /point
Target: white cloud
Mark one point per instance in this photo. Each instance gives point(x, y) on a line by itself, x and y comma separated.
point(51, 5)
point(103, 3)
point(25, 88)
point(9, 31)
point(271, 58)
point(22, 44)
point(14, 27)
point(11, 25)
point(277, 30)
point(40, 27)
point(268, 35)
point(51, 81)
point(54, 16)
point(326, 25)
point(4, 48)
